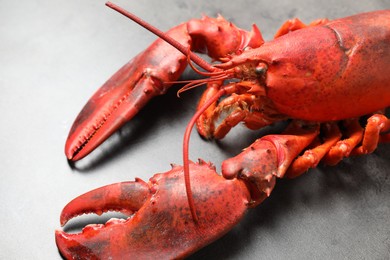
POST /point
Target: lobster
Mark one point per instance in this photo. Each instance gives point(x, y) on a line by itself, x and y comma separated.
point(326, 78)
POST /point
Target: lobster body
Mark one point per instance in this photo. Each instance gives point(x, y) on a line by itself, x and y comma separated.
point(326, 71)
point(320, 73)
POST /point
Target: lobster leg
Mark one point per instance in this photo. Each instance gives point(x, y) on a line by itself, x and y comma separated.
point(332, 150)
point(368, 137)
point(310, 158)
point(343, 148)
point(376, 125)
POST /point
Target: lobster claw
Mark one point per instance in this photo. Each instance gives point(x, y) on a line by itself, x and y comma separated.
point(161, 225)
point(121, 98)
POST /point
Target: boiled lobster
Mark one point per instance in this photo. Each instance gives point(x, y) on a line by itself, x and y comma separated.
point(325, 76)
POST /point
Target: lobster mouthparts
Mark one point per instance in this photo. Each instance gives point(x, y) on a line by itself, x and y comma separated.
point(161, 224)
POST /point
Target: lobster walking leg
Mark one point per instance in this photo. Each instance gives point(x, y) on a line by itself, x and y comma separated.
point(311, 157)
point(333, 150)
point(360, 140)
point(376, 125)
point(343, 148)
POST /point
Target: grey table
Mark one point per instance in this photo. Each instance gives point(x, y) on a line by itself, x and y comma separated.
point(54, 55)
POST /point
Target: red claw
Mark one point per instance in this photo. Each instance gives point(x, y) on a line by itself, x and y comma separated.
point(123, 95)
point(161, 218)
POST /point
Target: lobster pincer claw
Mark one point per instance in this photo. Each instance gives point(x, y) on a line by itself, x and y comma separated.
point(123, 95)
point(161, 225)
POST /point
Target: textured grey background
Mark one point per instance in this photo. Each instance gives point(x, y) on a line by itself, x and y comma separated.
point(54, 55)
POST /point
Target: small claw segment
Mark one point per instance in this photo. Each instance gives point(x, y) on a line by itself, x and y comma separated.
point(161, 226)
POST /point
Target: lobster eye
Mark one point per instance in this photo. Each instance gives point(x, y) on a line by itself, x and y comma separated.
point(261, 69)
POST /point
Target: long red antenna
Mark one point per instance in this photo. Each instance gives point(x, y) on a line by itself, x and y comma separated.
point(186, 141)
point(180, 47)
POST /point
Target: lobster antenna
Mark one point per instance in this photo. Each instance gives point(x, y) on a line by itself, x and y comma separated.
point(196, 83)
point(180, 47)
point(186, 141)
